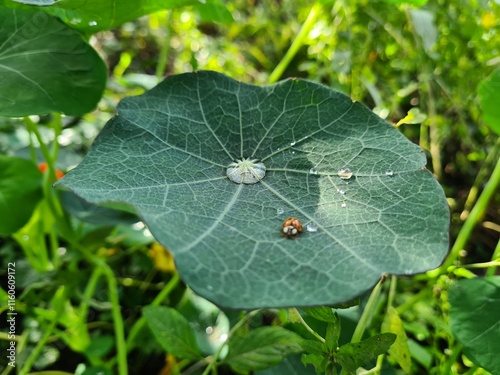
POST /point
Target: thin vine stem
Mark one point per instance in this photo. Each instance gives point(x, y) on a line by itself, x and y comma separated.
point(367, 313)
point(309, 329)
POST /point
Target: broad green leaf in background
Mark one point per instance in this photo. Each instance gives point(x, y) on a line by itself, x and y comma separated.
point(167, 152)
point(91, 16)
point(46, 66)
point(475, 321)
point(20, 192)
point(489, 97)
point(262, 348)
point(172, 331)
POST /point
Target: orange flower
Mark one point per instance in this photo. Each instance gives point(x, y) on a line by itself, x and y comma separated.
point(44, 166)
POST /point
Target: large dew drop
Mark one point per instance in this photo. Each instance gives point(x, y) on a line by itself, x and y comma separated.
point(246, 171)
point(344, 173)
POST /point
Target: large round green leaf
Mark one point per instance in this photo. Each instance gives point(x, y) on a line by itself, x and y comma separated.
point(166, 153)
point(45, 66)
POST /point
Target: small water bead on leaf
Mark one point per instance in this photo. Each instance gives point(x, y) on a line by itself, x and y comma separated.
point(246, 171)
point(92, 23)
point(343, 205)
point(340, 191)
point(280, 211)
point(313, 171)
point(389, 172)
point(344, 173)
point(293, 143)
point(311, 227)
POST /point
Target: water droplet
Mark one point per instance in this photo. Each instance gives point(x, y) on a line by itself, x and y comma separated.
point(92, 23)
point(246, 171)
point(293, 143)
point(25, 237)
point(389, 172)
point(280, 211)
point(210, 287)
point(311, 227)
point(313, 171)
point(341, 191)
point(223, 337)
point(344, 173)
point(75, 21)
point(343, 205)
point(209, 330)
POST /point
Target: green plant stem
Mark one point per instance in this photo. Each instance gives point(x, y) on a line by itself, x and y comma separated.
point(309, 329)
point(38, 348)
point(392, 291)
point(139, 324)
point(213, 359)
point(121, 347)
point(165, 48)
point(367, 313)
point(475, 215)
point(298, 42)
point(496, 255)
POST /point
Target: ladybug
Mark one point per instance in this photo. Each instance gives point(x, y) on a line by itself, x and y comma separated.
point(291, 227)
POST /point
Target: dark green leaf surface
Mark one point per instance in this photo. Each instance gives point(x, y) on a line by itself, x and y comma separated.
point(475, 319)
point(172, 331)
point(166, 153)
point(262, 348)
point(489, 97)
point(291, 365)
point(46, 67)
point(323, 313)
point(20, 191)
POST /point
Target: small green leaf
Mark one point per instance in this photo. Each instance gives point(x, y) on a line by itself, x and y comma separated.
point(20, 192)
point(45, 66)
point(332, 335)
point(475, 320)
point(319, 362)
point(172, 331)
point(262, 348)
point(399, 351)
point(489, 97)
point(354, 355)
point(314, 347)
point(323, 313)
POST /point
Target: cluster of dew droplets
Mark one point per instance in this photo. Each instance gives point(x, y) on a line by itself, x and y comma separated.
point(344, 174)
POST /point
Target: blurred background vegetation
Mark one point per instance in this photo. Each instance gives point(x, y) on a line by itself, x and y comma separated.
point(417, 67)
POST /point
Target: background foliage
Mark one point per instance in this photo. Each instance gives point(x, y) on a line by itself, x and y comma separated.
point(83, 273)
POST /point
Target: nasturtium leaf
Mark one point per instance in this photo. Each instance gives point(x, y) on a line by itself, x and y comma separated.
point(489, 97)
point(172, 331)
point(20, 192)
point(92, 16)
point(475, 321)
point(45, 66)
point(262, 348)
point(166, 153)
